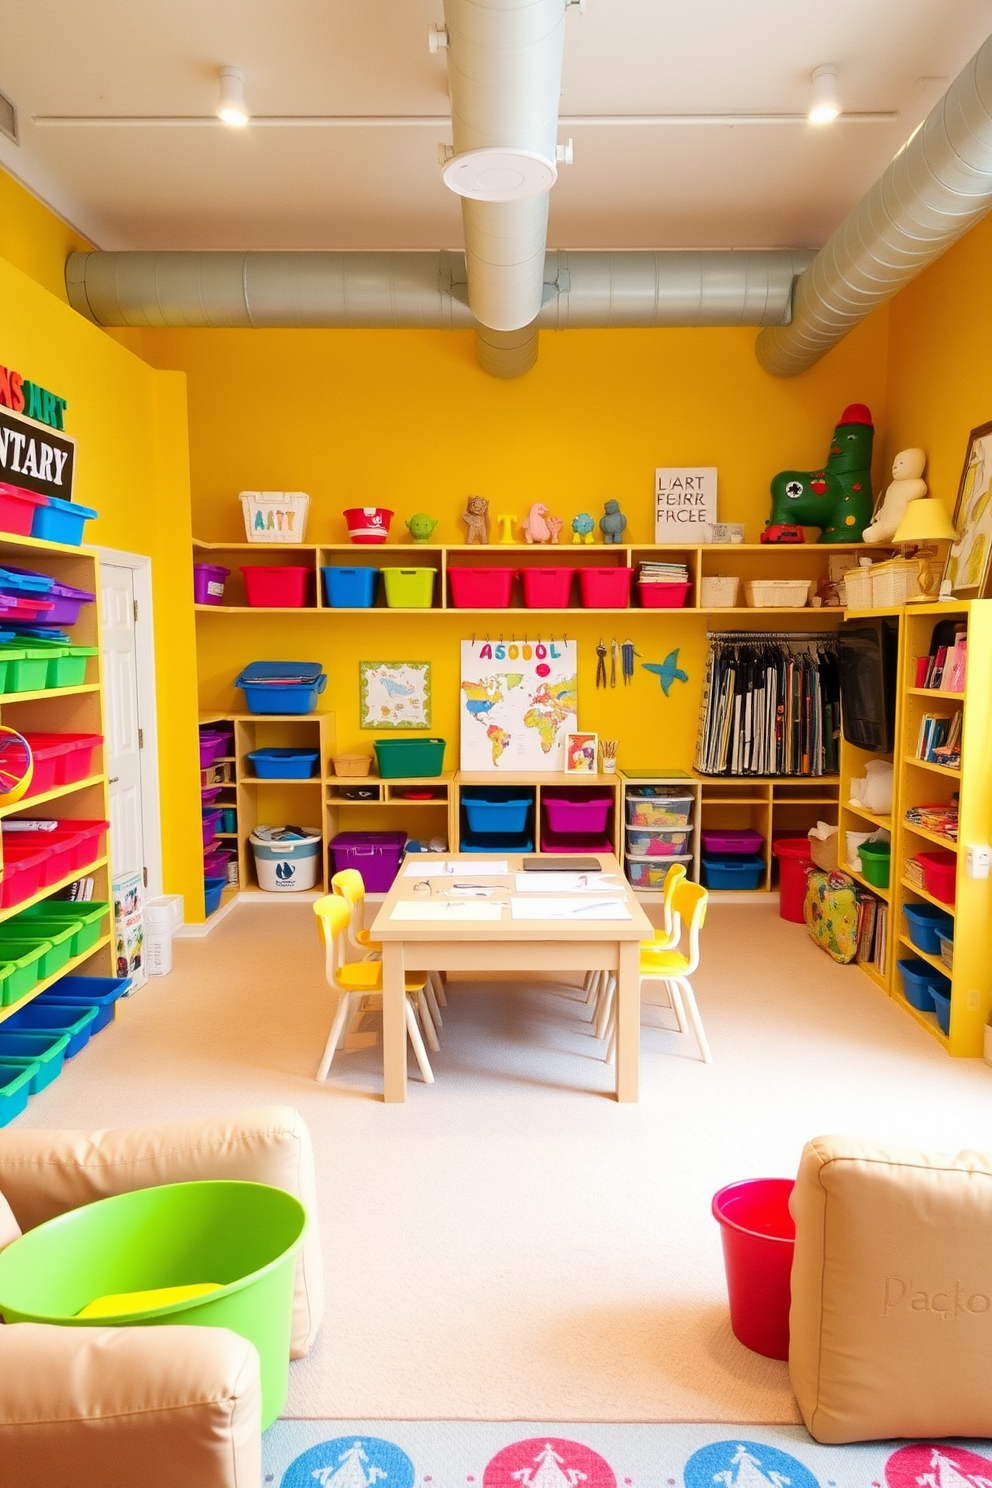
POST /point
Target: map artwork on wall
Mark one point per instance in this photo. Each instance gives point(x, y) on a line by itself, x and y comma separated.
point(394, 694)
point(518, 701)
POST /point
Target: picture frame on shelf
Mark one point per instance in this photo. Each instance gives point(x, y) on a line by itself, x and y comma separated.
point(684, 503)
point(966, 567)
point(394, 694)
point(580, 754)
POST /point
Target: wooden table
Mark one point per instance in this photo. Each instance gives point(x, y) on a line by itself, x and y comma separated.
point(506, 945)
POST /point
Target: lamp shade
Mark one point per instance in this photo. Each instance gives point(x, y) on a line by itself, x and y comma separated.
point(925, 520)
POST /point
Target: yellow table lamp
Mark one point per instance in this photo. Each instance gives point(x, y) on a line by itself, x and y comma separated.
point(924, 523)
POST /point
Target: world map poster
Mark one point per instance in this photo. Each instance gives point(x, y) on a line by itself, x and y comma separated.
point(518, 700)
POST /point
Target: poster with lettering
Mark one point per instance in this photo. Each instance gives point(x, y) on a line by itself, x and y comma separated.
point(684, 503)
point(518, 700)
point(35, 457)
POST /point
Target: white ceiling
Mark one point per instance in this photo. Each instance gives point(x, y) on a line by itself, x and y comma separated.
point(650, 185)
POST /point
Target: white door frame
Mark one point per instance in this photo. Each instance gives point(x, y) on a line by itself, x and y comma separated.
point(144, 660)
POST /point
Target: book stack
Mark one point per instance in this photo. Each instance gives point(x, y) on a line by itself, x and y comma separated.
point(664, 573)
point(939, 741)
point(940, 817)
point(943, 670)
point(873, 915)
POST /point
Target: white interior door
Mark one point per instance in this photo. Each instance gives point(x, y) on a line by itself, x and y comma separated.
point(123, 743)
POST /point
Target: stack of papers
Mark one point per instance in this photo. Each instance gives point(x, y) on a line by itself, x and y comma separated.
point(575, 910)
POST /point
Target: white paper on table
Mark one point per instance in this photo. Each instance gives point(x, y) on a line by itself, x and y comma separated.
point(566, 883)
point(446, 909)
point(569, 909)
point(422, 867)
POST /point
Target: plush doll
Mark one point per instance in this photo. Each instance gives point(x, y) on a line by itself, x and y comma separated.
point(612, 522)
point(907, 485)
point(476, 519)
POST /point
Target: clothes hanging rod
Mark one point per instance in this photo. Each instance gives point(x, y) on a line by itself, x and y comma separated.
point(757, 636)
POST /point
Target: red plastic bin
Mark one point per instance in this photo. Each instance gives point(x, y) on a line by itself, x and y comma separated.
point(939, 873)
point(60, 759)
point(481, 588)
point(23, 869)
point(277, 585)
point(759, 1238)
point(793, 860)
point(605, 588)
point(17, 507)
point(547, 588)
point(76, 844)
point(664, 596)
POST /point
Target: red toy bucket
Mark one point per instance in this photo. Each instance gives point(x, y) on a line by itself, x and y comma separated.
point(793, 860)
point(758, 1235)
point(368, 524)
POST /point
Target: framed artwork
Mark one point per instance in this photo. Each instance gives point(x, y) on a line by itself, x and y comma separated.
point(967, 565)
point(684, 503)
point(580, 754)
point(394, 695)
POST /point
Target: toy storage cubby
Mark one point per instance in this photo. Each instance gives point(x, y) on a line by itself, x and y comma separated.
point(646, 871)
point(66, 710)
point(424, 815)
point(527, 821)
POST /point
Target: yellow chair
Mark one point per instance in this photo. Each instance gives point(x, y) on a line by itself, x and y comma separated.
point(350, 885)
point(667, 936)
point(670, 966)
point(357, 981)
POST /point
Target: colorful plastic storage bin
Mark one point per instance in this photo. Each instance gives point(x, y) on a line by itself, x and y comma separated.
point(547, 588)
point(376, 855)
point(86, 915)
point(44, 1051)
point(208, 583)
point(658, 810)
point(657, 842)
point(649, 873)
point(409, 588)
point(211, 817)
point(213, 888)
point(27, 667)
point(17, 509)
point(926, 923)
point(734, 842)
point(15, 1080)
point(60, 759)
point(99, 992)
point(61, 521)
point(52, 1018)
point(276, 586)
point(493, 812)
point(23, 864)
point(939, 873)
point(942, 1007)
point(876, 858)
point(732, 872)
point(350, 588)
point(794, 859)
point(414, 757)
point(481, 588)
point(66, 602)
point(18, 939)
point(572, 812)
point(212, 745)
point(282, 686)
point(605, 588)
point(656, 596)
point(918, 981)
point(285, 764)
point(758, 1235)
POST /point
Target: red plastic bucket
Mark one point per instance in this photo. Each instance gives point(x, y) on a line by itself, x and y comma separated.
point(368, 524)
point(758, 1235)
point(793, 860)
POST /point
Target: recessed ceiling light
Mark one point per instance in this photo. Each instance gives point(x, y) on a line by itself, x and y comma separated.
point(231, 105)
point(824, 106)
point(499, 175)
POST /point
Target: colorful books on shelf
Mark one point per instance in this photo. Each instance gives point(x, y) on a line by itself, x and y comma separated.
point(940, 817)
point(873, 915)
point(664, 573)
point(939, 741)
point(944, 669)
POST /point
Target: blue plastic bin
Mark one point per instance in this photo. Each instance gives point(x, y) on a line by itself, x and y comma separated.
point(282, 686)
point(61, 521)
point(15, 1087)
point(23, 580)
point(212, 890)
point(925, 922)
point(46, 1051)
point(350, 588)
point(49, 1018)
point(496, 842)
point(729, 872)
point(285, 764)
point(920, 981)
point(489, 813)
point(942, 1007)
point(99, 992)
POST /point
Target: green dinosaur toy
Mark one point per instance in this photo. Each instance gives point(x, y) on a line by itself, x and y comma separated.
point(838, 498)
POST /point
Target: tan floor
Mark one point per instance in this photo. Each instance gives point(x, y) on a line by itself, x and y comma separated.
point(512, 1244)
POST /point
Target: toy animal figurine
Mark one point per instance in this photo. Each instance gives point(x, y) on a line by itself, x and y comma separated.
point(837, 498)
point(555, 524)
point(421, 526)
point(476, 519)
point(907, 485)
point(536, 529)
point(612, 522)
point(583, 528)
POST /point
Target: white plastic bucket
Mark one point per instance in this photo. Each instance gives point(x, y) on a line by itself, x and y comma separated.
point(286, 867)
point(158, 952)
point(165, 912)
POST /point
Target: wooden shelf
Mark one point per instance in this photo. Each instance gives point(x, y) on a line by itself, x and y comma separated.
point(935, 692)
point(53, 795)
point(871, 971)
point(872, 816)
point(935, 837)
point(924, 894)
point(6, 698)
point(885, 894)
point(933, 961)
point(291, 780)
point(67, 970)
point(910, 759)
point(53, 889)
point(925, 1020)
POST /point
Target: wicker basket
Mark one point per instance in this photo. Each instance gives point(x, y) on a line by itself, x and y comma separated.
point(716, 593)
point(858, 588)
point(894, 581)
point(782, 594)
point(352, 764)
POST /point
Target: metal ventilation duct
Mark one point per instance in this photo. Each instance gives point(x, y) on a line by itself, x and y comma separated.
point(937, 187)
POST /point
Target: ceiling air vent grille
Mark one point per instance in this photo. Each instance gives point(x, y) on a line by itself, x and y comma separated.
point(8, 118)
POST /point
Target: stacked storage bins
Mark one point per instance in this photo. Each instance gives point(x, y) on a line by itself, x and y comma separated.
point(220, 825)
point(497, 818)
point(576, 819)
point(732, 858)
point(36, 1040)
point(659, 833)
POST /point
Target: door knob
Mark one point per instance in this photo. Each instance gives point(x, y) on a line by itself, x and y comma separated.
point(113, 780)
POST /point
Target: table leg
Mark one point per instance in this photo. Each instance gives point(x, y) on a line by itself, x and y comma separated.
point(393, 1022)
point(628, 995)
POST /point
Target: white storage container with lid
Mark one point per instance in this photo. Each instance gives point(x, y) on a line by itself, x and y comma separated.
point(287, 859)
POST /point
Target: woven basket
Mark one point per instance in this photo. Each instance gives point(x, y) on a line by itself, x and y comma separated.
point(717, 593)
point(894, 581)
point(858, 587)
point(782, 594)
point(352, 764)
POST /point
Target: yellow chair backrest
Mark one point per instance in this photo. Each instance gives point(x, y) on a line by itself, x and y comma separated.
point(689, 902)
point(350, 885)
point(333, 914)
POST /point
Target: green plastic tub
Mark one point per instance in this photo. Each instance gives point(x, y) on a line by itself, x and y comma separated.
point(876, 858)
point(69, 668)
point(45, 1051)
point(24, 958)
point(15, 1087)
point(7, 969)
point(409, 588)
point(27, 668)
point(87, 914)
point(241, 1236)
point(56, 938)
point(399, 757)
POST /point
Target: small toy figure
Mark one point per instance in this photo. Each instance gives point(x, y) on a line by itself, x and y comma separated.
point(837, 498)
point(476, 519)
point(506, 521)
point(421, 526)
point(534, 524)
point(781, 532)
point(612, 523)
point(583, 528)
point(555, 524)
point(907, 485)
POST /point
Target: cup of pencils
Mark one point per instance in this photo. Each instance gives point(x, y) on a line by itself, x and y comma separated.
point(608, 753)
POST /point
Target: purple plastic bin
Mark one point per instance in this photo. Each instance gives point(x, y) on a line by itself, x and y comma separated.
point(209, 794)
point(215, 862)
point(735, 842)
point(66, 603)
point(208, 583)
point(211, 745)
point(210, 819)
point(587, 814)
point(376, 855)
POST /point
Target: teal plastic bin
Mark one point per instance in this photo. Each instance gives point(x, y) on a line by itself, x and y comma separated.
point(45, 1051)
point(15, 1087)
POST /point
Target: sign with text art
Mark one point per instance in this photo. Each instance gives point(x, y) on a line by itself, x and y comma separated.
point(518, 700)
point(684, 503)
point(35, 457)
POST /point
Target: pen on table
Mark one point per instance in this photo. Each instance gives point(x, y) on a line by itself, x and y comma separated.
point(583, 908)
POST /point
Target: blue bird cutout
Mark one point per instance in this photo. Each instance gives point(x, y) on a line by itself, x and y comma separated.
point(668, 670)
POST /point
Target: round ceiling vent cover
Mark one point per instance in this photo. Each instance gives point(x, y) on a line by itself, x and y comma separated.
point(500, 175)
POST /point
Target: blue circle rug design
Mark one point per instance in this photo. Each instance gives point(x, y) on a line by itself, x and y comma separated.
point(745, 1464)
point(351, 1462)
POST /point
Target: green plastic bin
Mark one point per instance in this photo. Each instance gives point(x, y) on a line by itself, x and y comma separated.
point(87, 914)
point(876, 858)
point(15, 1087)
point(243, 1236)
point(56, 938)
point(24, 958)
point(27, 668)
point(399, 757)
point(66, 661)
point(409, 588)
point(7, 969)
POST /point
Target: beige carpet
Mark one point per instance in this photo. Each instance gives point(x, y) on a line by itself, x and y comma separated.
point(512, 1244)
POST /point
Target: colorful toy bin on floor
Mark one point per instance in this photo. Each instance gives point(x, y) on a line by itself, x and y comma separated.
point(376, 855)
point(282, 686)
point(137, 1257)
point(286, 858)
point(793, 861)
point(758, 1235)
